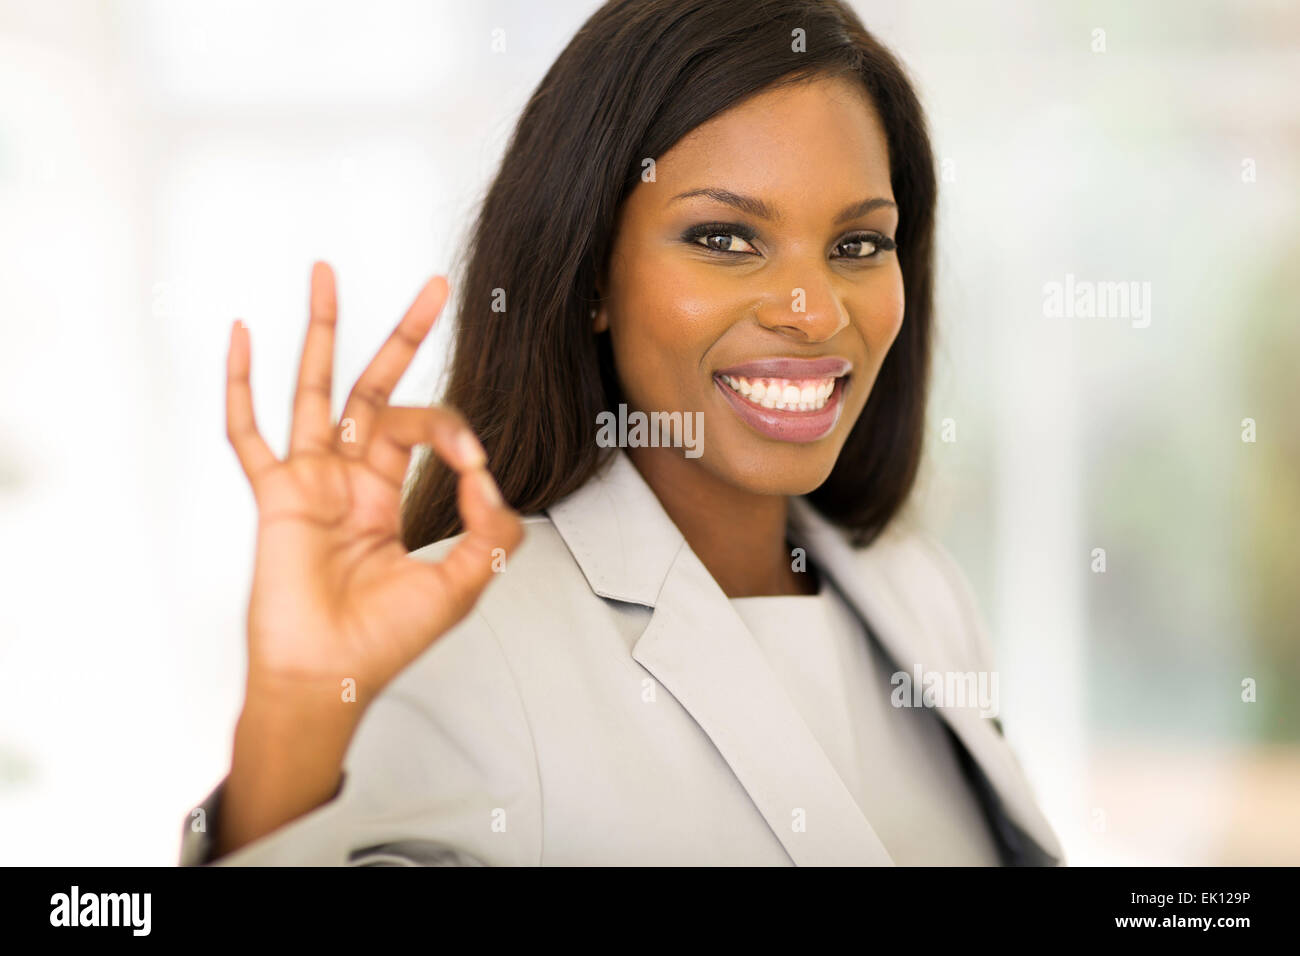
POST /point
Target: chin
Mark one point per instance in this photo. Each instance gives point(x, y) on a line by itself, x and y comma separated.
point(774, 468)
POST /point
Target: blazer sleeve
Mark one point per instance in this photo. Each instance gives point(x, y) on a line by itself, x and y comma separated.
point(441, 771)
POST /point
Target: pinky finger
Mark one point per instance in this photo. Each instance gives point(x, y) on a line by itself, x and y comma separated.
point(241, 427)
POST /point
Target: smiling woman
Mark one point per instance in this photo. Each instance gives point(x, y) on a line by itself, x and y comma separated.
point(711, 210)
point(780, 136)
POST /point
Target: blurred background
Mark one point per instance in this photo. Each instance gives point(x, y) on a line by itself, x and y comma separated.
point(166, 167)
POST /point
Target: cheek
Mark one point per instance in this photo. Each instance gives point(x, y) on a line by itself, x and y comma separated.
point(879, 313)
point(663, 320)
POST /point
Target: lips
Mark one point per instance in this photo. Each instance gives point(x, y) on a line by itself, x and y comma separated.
point(794, 400)
point(829, 366)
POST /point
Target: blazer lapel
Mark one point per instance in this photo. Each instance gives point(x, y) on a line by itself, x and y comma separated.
point(700, 650)
point(860, 577)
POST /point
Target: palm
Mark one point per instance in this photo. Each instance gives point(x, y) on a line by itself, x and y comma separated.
point(335, 594)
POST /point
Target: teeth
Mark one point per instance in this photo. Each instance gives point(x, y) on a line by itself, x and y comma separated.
point(803, 395)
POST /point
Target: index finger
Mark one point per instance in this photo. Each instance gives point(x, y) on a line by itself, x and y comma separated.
point(488, 521)
point(489, 525)
point(399, 428)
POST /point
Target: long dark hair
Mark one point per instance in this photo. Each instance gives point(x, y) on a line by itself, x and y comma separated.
point(637, 77)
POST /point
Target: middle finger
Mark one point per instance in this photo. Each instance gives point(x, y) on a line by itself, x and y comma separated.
point(375, 385)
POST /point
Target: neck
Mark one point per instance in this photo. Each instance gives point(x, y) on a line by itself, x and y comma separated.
point(737, 535)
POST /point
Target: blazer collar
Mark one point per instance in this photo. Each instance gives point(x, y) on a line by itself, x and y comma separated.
point(699, 648)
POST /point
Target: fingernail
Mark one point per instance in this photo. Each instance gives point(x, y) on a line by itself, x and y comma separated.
point(471, 452)
point(489, 488)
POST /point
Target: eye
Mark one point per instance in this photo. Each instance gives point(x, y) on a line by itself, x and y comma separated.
point(866, 245)
point(728, 239)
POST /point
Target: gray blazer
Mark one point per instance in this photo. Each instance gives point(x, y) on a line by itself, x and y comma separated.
point(605, 704)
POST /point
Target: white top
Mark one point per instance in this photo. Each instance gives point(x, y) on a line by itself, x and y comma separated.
point(899, 763)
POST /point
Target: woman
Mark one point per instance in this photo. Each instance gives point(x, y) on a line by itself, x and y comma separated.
point(688, 651)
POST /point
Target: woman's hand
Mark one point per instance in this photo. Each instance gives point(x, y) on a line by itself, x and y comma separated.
point(335, 594)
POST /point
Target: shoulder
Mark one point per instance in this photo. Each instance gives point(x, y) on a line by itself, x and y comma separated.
point(454, 723)
point(533, 591)
point(541, 572)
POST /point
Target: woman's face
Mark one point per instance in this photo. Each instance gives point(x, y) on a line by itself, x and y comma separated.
point(754, 281)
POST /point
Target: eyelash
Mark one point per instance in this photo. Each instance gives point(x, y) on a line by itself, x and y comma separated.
point(695, 233)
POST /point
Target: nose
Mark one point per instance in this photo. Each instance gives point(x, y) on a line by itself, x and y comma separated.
point(804, 305)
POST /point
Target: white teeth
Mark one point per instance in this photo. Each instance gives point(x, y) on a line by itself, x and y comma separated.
point(804, 395)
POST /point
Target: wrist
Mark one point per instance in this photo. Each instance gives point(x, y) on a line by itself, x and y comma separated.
point(288, 716)
point(289, 750)
point(309, 696)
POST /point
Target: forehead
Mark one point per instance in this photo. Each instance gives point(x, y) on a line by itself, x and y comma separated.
point(809, 144)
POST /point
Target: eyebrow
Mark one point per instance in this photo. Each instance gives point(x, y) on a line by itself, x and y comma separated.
point(756, 207)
